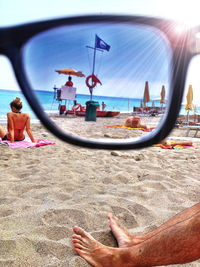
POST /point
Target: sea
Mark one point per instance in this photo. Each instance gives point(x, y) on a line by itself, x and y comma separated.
point(50, 104)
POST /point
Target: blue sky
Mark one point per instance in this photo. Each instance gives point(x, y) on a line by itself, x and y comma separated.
point(21, 11)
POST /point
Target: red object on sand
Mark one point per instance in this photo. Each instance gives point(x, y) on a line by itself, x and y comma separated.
point(99, 113)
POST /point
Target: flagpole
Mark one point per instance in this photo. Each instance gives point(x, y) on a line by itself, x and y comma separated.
point(94, 58)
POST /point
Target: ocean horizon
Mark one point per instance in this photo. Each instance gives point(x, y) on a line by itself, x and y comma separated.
point(49, 103)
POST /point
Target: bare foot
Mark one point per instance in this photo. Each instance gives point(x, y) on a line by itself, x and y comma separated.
point(124, 238)
point(94, 252)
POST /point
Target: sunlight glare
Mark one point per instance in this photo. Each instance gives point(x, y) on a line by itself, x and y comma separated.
point(179, 29)
point(184, 11)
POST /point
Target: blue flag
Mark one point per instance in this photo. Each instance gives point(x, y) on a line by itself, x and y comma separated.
point(101, 44)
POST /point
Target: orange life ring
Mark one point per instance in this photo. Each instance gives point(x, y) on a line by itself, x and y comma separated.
point(82, 108)
point(95, 80)
point(76, 107)
point(94, 83)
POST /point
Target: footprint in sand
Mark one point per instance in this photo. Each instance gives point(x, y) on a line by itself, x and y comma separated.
point(5, 213)
point(53, 249)
point(55, 233)
point(67, 217)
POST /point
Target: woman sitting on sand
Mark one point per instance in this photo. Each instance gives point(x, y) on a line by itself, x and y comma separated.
point(16, 123)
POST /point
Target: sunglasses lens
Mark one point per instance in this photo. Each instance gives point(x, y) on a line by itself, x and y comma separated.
point(90, 78)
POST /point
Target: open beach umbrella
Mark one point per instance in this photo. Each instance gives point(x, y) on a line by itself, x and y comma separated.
point(162, 94)
point(146, 97)
point(70, 71)
point(189, 105)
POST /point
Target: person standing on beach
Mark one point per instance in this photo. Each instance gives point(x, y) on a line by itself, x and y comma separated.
point(16, 123)
point(103, 106)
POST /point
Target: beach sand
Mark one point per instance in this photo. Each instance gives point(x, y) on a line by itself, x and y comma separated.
point(45, 191)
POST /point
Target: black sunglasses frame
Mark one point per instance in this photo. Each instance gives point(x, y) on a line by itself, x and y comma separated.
point(12, 40)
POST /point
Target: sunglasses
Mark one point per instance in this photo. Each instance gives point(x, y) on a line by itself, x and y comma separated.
point(117, 66)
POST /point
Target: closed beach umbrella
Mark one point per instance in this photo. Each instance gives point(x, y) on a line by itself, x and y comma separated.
point(162, 94)
point(189, 97)
point(189, 104)
point(146, 97)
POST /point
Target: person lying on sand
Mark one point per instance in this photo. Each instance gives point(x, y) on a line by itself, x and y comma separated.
point(135, 122)
point(174, 242)
point(16, 123)
point(183, 143)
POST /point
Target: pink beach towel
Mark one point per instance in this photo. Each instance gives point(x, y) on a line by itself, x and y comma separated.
point(27, 143)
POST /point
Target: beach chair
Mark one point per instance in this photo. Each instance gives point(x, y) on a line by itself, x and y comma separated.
point(189, 128)
point(188, 120)
point(136, 111)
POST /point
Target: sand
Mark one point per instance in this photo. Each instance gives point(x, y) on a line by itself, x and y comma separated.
point(45, 191)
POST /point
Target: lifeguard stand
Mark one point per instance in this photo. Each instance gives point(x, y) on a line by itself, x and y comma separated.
point(66, 93)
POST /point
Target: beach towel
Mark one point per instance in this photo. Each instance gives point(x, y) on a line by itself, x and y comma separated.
point(27, 143)
point(129, 128)
point(172, 147)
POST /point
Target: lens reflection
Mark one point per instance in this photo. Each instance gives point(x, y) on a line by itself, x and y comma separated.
point(90, 78)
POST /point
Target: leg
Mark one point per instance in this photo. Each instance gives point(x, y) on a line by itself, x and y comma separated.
point(126, 239)
point(182, 216)
point(184, 143)
point(2, 132)
point(176, 244)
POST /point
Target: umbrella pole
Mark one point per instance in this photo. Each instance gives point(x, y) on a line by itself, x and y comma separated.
point(188, 117)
